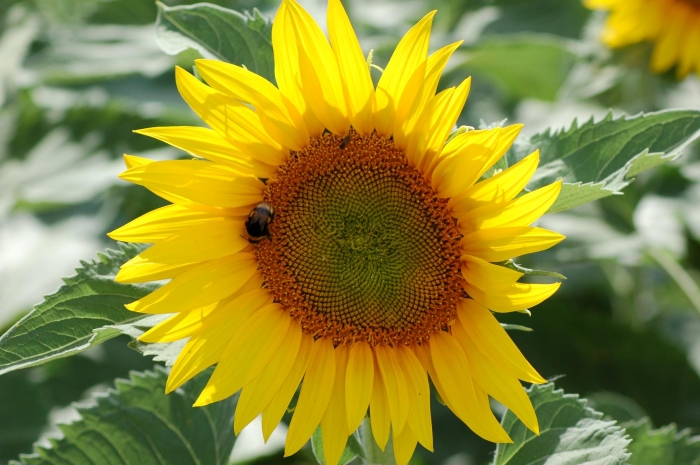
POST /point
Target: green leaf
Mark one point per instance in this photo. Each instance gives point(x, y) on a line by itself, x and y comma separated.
point(352, 449)
point(512, 327)
point(530, 272)
point(599, 159)
point(523, 66)
point(216, 32)
point(665, 445)
point(138, 423)
point(570, 433)
point(66, 322)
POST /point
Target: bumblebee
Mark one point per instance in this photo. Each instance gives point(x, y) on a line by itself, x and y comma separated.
point(256, 226)
point(345, 141)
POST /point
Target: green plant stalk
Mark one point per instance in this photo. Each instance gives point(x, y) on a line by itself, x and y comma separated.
point(678, 274)
point(375, 456)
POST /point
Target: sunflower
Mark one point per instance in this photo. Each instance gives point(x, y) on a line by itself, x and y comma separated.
point(376, 271)
point(673, 26)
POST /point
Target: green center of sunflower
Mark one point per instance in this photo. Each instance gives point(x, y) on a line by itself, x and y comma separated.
point(362, 248)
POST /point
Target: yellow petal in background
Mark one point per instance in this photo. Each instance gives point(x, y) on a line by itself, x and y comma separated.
point(358, 383)
point(320, 76)
point(483, 328)
point(404, 446)
point(495, 245)
point(356, 80)
point(409, 54)
point(519, 296)
point(314, 396)
point(485, 275)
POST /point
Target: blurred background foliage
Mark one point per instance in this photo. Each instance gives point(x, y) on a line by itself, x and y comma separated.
point(78, 76)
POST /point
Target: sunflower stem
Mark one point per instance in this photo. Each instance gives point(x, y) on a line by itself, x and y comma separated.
point(374, 455)
point(686, 282)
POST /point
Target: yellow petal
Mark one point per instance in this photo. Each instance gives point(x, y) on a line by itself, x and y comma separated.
point(257, 394)
point(453, 370)
point(522, 211)
point(200, 285)
point(206, 143)
point(497, 382)
point(690, 52)
point(314, 396)
point(281, 121)
point(208, 241)
point(406, 102)
point(160, 223)
point(231, 119)
point(404, 445)
point(461, 169)
point(418, 420)
point(497, 189)
point(410, 53)
point(439, 121)
point(180, 326)
point(495, 245)
point(272, 414)
point(334, 422)
point(434, 67)
point(483, 328)
point(141, 270)
point(252, 346)
point(668, 46)
point(357, 82)
point(519, 296)
point(358, 383)
point(380, 417)
point(394, 381)
point(187, 323)
point(199, 181)
point(485, 275)
point(320, 76)
point(134, 162)
point(206, 346)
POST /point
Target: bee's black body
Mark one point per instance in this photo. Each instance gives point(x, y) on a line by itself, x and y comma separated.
point(344, 142)
point(258, 220)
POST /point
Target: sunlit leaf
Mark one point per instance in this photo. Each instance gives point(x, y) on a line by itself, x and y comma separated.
point(598, 159)
point(216, 32)
point(138, 423)
point(65, 323)
point(570, 433)
point(352, 449)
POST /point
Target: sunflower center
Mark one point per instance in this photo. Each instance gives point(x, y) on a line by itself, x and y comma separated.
point(362, 248)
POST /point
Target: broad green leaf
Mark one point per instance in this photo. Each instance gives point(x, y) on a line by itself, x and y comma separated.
point(138, 423)
point(523, 66)
point(570, 433)
point(352, 449)
point(165, 352)
point(66, 322)
point(217, 32)
point(615, 406)
point(665, 445)
point(598, 159)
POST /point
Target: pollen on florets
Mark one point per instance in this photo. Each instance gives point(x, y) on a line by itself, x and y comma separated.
point(362, 248)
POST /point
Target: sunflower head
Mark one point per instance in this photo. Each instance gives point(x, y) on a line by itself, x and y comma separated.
point(379, 268)
point(673, 26)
